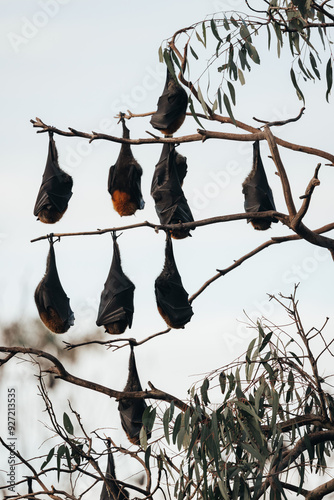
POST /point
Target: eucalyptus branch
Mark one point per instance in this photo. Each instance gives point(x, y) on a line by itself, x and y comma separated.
point(274, 240)
point(320, 491)
point(281, 171)
point(131, 341)
point(292, 454)
point(61, 432)
point(142, 463)
point(279, 123)
point(185, 139)
point(165, 227)
point(60, 372)
point(30, 467)
point(295, 314)
point(307, 197)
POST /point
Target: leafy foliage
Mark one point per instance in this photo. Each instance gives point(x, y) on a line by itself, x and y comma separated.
point(270, 421)
point(231, 40)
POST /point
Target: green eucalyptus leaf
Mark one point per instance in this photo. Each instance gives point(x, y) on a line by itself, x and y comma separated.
point(214, 30)
point(295, 84)
point(48, 458)
point(228, 107)
point(329, 77)
point(193, 52)
point(67, 424)
point(204, 391)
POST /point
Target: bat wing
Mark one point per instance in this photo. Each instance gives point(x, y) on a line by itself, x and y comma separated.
point(50, 296)
point(171, 297)
point(172, 106)
point(131, 410)
point(114, 491)
point(258, 194)
point(116, 302)
point(56, 187)
point(170, 203)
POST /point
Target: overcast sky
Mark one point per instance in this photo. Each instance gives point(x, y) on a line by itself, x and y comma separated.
point(78, 63)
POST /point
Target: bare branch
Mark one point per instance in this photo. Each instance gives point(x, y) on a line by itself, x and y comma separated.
point(307, 197)
point(60, 372)
point(281, 171)
point(185, 139)
point(321, 491)
point(165, 227)
point(279, 123)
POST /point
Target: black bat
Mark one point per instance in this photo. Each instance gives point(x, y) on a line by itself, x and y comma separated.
point(124, 182)
point(171, 297)
point(55, 191)
point(258, 194)
point(52, 302)
point(114, 490)
point(172, 106)
point(131, 410)
point(170, 203)
point(116, 304)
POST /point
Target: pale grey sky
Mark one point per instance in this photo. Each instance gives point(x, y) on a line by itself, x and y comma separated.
point(77, 63)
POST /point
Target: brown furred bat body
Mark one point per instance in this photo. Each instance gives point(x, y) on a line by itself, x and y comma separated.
point(171, 297)
point(131, 410)
point(170, 202)
point(112, 490)
point(172, 106)
point(116, 303)
point(52, 302)
point(55, 191)
point(124, 181)
point(258, 194)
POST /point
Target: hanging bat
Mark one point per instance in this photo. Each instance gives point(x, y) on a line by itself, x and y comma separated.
point(124, 182)
point(114, 491)
point(166, 189)
point(172, 106)
point(131, 410)
point(52, 302)
point(171, 297)
point(258, 194)
point(116, 304)
point(55, 191)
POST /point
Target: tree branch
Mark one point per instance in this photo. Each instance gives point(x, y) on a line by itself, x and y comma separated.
point(307, 198)
point(291, 455)
point(189, 225)
point(185, 139)
point(281, 171)
point(281, 122)
point(60, 372)
point(321, 491)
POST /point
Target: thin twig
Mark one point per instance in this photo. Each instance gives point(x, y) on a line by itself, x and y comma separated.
point(279, 123)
